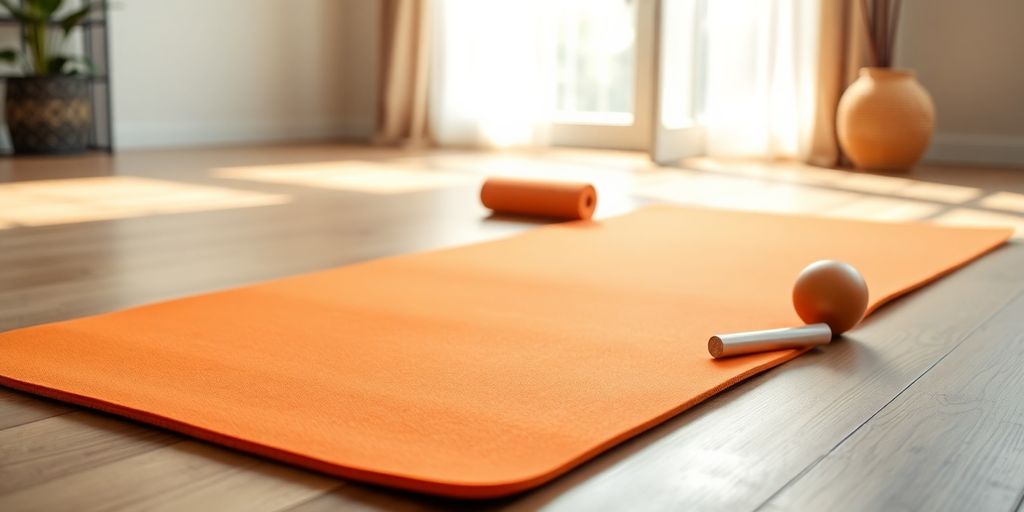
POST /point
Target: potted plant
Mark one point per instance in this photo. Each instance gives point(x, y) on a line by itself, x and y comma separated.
point(885, 118)
point(48, 110)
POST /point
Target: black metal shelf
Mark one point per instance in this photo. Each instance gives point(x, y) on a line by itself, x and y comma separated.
point(9, 21)
point(95, 78)
point(95, 38)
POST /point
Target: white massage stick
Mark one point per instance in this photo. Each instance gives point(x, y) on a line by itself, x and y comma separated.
point(831, 296)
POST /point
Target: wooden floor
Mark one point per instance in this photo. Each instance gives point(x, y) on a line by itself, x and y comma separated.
point(921, 408)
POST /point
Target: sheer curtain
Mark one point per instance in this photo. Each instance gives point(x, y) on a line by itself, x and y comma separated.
point(499, 66)
point(493, 73)
point(771, 73)
point(760, 77)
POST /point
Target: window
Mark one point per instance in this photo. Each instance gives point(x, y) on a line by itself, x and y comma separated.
point(590, 73)
point(596, 65)
point(603, 73)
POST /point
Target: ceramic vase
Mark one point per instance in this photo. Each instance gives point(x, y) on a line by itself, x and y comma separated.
point(885, 120)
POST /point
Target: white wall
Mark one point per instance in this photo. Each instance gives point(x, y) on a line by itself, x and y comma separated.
point(203, 72)
point(968, 54)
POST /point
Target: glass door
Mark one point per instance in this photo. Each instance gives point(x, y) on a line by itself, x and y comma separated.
point(678, 91)
point(604, 68)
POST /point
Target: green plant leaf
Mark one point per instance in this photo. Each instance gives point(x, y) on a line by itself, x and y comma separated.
point(55, 64)
point(45, 7)
point(16, 12)
point(68, 65)
point(75, 18)
point(9, 55)
point(33, 11)
point(35, 42)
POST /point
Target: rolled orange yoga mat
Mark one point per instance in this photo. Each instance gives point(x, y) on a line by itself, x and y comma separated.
point(553, 199)
point(479, 371)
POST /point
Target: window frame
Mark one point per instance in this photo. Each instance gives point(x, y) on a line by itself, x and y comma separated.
point(637, 134)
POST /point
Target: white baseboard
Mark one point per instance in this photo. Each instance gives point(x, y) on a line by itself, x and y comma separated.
point(965, 148)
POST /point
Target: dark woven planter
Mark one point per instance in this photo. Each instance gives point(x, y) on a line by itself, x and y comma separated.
point(48, 114)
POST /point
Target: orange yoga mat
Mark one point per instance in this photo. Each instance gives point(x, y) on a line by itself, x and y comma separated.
point(568, 200)
point(478, 371)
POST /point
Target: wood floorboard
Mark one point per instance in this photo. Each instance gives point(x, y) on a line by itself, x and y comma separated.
point(814, 433)
point(70, 443)
point(185, 475)
point(735, 450)
point(954, 440)
point(17, 408)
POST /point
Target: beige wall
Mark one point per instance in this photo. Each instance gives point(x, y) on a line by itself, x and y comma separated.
point(198, 72)
point(970, 56)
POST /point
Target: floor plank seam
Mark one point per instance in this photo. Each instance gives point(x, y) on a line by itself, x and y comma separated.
point(789, 483)
point(1020, 501)
point(96, 467)
point(37, 420)
point(297, 505)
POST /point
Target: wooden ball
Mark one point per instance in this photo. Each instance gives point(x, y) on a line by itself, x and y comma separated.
point(831, 292)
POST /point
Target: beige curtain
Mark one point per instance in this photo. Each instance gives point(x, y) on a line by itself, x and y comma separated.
point(405, 45)
point(844, 50)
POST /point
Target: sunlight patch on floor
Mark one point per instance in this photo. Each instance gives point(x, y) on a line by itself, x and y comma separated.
point(884, 209)
point(979, 218)
point(1008, 201)
point(49, 202)
point(356, 176)
point(905, 187)
point(542, 168)
point(854, 181)
point(728, 192)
